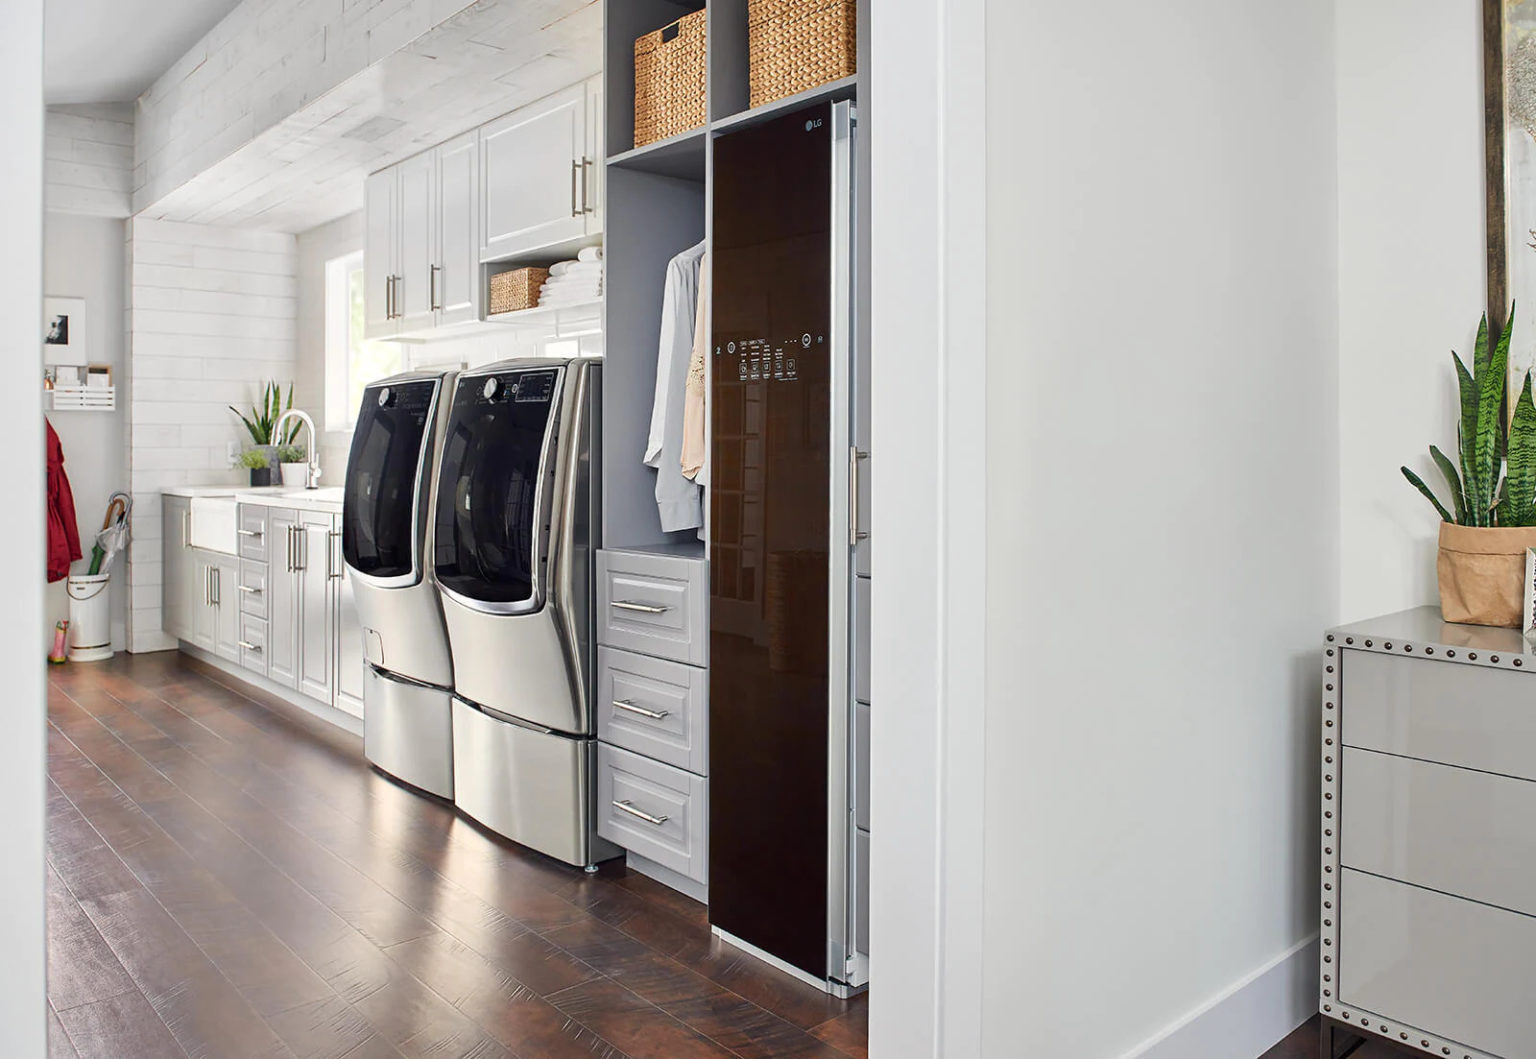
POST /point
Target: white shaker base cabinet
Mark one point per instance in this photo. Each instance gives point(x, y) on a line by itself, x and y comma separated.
point(1428, 924)
point(282, 612)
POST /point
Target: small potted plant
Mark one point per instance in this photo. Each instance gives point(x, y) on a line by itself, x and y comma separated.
point(295, 464)
point(1492, 518)
point(259, 463)
point(263, 418)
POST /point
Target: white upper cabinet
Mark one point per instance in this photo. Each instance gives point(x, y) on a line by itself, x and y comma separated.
point(418, 256)
point(594, 157)
point(457, 280)
point(381, 253)
point(536, 172)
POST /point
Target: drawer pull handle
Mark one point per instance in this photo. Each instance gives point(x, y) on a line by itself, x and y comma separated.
point(655, 715)
point(249, 533)
point(629, 808)
point(250, 646)
point(643, 608)
point(249, 589)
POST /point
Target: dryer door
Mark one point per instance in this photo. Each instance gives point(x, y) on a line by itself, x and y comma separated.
point(381, 532)
point(494, 490)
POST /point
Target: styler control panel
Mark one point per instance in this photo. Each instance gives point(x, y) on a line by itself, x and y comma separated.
point(769, 359)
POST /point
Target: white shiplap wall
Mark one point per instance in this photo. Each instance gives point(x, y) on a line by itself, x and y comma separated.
point(88, 166)
point(264, 61)
point(212, 316)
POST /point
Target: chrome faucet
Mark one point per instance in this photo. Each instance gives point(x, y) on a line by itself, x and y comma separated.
point(312, 478)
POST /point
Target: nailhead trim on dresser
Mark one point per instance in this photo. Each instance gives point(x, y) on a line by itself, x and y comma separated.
point(1329, 932)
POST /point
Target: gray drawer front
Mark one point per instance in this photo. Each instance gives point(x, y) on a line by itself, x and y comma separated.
point(253, 643)
point(654, 604)
point(861, 764)
point(676, 802)
point(632, 688)
point(1465, 833)
point(1459, 714)
point(252, 530)
point(253, 588)
point(1454, 968)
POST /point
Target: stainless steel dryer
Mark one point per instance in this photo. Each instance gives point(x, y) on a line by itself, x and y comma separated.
point(386, 539)
point(515, 527)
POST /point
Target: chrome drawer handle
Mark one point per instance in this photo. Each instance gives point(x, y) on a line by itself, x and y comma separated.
point(249, 533)
point(250, 646)
point(643, 608)
point(655, 715)
point(252, 591)
point(641, 813)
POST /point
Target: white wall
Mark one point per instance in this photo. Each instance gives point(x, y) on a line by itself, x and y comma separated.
point(89, 167)
point(1162, 517)
point(317, 246)
point(23, 1004)
point(211, 319)
point(1411, 277)
point(83, 258)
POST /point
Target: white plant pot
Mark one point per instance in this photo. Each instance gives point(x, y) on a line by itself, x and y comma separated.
point(295, 475)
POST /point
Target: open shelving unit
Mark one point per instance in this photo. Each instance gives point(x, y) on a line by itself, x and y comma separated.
point(658, 204)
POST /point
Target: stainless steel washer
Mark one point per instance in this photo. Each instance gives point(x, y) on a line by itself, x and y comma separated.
point(515, 529)
point(387, 542)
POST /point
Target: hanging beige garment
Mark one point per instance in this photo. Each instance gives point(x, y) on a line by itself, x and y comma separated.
point(693, 399)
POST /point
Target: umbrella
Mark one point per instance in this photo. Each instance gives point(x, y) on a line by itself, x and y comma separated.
point(114, 533)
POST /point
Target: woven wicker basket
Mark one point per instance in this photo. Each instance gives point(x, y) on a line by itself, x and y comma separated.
point(518, 289)
point(669, 80)
point(796, 45)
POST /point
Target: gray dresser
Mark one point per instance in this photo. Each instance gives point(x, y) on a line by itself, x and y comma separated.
point(653, 711)
point(1428, 895)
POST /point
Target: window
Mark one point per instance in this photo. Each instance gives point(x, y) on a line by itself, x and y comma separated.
point(351, 361)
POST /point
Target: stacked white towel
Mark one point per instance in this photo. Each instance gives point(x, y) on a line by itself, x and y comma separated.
point(572, 282)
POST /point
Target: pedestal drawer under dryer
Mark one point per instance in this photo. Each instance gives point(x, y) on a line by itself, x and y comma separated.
point(653, 603)
point(653, 707)
point(655, 810)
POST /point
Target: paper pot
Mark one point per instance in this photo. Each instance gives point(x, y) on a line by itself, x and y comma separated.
point(1482, 573)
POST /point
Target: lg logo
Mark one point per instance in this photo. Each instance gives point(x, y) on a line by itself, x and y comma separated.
point(814, 123)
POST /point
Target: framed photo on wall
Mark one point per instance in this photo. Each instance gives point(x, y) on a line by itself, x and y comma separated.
point(64, 331)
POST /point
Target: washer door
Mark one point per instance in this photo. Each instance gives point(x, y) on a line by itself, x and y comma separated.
point(381, 534)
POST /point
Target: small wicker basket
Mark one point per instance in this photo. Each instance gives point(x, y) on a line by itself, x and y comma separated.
point(796, 45)
point(669, 80)
point(517, 289)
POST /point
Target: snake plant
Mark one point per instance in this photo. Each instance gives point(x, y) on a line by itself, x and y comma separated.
point(1496, 485)
point(264, 416)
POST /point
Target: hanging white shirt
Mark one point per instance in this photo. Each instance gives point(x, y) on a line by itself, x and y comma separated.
point(679, 501)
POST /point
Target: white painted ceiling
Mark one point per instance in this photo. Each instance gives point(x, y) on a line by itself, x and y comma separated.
point(110, 51)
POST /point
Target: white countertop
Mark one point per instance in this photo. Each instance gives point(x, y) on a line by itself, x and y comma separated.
point(326, 498)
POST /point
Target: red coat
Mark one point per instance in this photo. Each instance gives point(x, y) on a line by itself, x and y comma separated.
point(63, 534)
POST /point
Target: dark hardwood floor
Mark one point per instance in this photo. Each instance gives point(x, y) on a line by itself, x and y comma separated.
point(227, 878)
point(1304, 1044)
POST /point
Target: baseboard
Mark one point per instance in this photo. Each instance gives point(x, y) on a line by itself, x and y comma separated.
point(329, 714)
point(1247, 1018)
point(667, 877)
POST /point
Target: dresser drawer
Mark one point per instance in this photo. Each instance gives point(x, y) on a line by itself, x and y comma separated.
point(655, 810)
point(1454, 968)
point(1459, 714)
point(1470, 834)
point(253, 643)
point(654, 604)
point(253, 588)
point(653, 707)
point(252, 532)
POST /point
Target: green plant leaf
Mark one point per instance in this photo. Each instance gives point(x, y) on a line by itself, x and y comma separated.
point(1480, 348)
point(1418, 483)
point(1466, 430)
point(1448, 469)
point(1491, 384)
point(1521, 473)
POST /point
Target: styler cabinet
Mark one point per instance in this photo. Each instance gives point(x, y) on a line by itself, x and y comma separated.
point(1428, 887)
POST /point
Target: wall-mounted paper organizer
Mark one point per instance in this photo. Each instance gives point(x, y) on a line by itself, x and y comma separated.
point(81, 398)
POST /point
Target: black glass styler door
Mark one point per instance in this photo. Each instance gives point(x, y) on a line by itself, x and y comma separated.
point(386, 475)
point(492, 488)
point(771, 402)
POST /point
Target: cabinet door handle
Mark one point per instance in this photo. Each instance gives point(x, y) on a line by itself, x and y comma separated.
point(432, 279)
point(628, 807)
point(625, 704)
point(251, 591)
point(250, 646)
point(854, 533)
point(292, 557)
point(249, 533)
point(575, 179)
point(642, 608)
point(389, 297)
point(207, 589)
point(586, 183)
point(333, 564)
point(218, 595)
